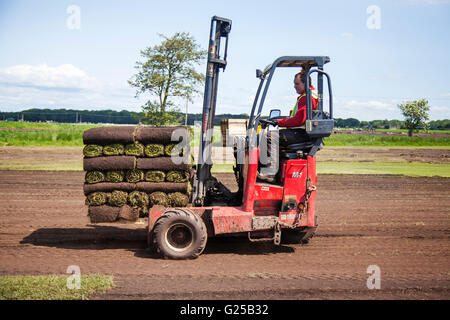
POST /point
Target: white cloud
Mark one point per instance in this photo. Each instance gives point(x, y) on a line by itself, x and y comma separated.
point(64, 86)
point(65, 77)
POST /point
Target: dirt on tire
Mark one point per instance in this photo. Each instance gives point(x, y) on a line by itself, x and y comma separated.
point(398, 224)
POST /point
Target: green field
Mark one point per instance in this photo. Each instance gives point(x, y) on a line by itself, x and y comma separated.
point(71, 135)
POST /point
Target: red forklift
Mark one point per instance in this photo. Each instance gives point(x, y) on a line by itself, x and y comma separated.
point(282, 210)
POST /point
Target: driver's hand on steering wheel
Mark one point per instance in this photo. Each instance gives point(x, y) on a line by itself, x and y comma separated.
point(265, 123)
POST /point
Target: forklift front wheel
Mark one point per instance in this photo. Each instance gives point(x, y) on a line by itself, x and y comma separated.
point(180, 234)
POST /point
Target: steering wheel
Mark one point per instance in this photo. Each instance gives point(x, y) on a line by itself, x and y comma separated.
point(264, 123)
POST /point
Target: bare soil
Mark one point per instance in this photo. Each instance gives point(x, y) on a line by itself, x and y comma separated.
point(399, 224)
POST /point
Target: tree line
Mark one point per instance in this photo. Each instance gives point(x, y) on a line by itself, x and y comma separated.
point(104, 116)
point(130, 117)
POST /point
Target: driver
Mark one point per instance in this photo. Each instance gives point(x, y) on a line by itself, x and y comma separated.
point(295, 133)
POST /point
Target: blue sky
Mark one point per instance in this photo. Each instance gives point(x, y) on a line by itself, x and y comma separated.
point(45, 64)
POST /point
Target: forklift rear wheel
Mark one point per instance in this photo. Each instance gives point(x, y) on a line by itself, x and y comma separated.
point(180, 234)
point(301, 235)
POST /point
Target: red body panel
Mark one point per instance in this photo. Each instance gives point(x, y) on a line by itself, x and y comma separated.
point(261, 199)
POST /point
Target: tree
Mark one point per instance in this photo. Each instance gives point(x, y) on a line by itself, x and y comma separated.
point(168, 72)
point(415, 113)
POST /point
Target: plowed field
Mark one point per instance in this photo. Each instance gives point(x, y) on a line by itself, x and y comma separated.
point(399, 224)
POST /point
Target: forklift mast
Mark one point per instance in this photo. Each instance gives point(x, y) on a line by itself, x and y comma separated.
point(220, 28)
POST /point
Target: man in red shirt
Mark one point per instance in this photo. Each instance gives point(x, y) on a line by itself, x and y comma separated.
point(293, 134)
point(298, 114)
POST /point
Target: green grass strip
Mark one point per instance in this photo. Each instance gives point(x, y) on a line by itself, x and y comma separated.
point(118, 198)
point(414, 169)
point(52, 287)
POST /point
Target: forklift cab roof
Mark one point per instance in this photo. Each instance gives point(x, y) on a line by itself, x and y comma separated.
point(294, 61)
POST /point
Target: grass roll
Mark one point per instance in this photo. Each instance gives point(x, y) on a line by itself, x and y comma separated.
point(159, 197)
point(114, 149)
point(177, 176)
point(134, 149)
point(118, 198)
point(92, 150)
point(97, 198)
point(135, 175)
point(173, 150)
point(178, 199)
point(114, 176)
point(94, 177)
point(155, 176)
point(138, 199)
point(154, 150)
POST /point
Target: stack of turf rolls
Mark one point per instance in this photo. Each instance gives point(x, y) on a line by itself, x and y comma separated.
point(131, 168)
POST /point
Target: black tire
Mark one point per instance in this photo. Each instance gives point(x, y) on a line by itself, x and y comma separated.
point(300, 235)
point(180, 234)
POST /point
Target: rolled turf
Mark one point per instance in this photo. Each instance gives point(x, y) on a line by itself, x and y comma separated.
point(109, 163)
point(109, 135)
point(92, 150)
point(94, 177)
point(163, 163)
point(138, 199)
point(155, 176)
point(114, 176)
point(97, 198)
point(105, 213)
point(162, 135)
point(150, 187)
point(173, 150)
point(134, 149)
point(118, 198)
point(109, 187)
point(177, 176)
point(158, 197)
point(154, 150)
point(114, 149)
point(134, 175)
point(178, 199)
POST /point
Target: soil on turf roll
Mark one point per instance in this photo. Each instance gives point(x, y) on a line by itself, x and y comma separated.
point(103, 213)
point(109, 135)
point(155, 176)
point(163, 163)
point(114, 176)
point(154, 150)
point(166, 187)
point(162, 135)
point(109, 187)
point(114, 149)
point(94, 177)
point(92, 150)
point(109, 163)
point(158, 197)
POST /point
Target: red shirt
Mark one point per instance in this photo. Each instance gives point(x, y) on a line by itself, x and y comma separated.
point(300, 116)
